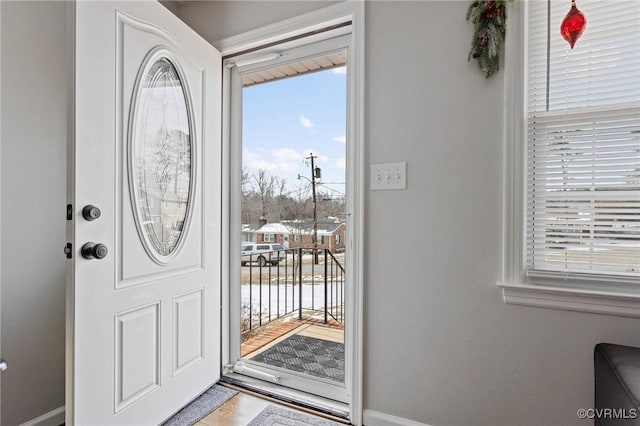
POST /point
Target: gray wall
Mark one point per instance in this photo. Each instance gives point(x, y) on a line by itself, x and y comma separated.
point(462, 356)
point(172, 5)
point(440, 345)
point(215, 20)
point(34, 96)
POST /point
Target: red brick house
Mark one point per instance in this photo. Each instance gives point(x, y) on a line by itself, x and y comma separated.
point(299, 234)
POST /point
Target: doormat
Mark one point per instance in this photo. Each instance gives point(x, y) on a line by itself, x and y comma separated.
point(308, 355)
point(277, 416)
point(202, 406)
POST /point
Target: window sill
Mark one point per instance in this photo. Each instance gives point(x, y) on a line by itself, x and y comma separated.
point(570, 299)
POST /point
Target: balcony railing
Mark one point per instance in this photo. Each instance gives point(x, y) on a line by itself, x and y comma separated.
point(290, 282)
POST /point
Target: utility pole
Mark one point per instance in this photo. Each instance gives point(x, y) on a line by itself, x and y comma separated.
point(315, 206)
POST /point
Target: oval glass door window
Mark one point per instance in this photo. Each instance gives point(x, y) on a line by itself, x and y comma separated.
point(161, 156)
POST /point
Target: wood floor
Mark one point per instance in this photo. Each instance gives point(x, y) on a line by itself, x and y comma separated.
point(240, 410)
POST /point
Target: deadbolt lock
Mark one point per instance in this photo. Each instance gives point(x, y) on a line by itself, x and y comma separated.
point(90, 212)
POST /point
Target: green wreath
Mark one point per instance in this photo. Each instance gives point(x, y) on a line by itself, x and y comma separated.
point(489, 22)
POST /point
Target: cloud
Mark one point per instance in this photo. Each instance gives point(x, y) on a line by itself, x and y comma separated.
point(306, 123)
point(287, 154)
point(341, 163)
point(254, 161)
point(276, 161)
point(287, 160)
point(340, 139)
point(340, 70)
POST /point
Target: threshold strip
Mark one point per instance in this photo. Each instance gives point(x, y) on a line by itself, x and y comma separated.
point(303, 401)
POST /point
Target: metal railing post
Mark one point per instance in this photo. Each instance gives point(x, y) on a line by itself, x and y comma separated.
point(260, 293)
point(326, 302)
point(313, 280)
point(341, 295)
point(300, 284)
point(250, 292)
point(269, 283)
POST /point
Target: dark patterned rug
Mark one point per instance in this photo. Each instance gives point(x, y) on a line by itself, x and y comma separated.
point(303, 354)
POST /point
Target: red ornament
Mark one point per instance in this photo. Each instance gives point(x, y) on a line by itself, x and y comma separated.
point(573, 24)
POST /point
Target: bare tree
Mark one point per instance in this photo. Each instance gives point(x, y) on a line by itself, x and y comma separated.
point(267, 196)
point(245, 180)
point(282, 185)
point(265, 185)
point(330, 205)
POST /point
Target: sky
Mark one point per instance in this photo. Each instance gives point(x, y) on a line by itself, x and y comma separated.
point(286, 120)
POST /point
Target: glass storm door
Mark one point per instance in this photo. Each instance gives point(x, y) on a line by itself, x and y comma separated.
point(287, 326)
point(143, 335)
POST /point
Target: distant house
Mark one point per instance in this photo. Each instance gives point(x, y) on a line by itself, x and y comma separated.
point(299, 233)
point(249, 233)
point(274, 233)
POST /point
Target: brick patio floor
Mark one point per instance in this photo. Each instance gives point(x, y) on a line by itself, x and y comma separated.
point(266, 334)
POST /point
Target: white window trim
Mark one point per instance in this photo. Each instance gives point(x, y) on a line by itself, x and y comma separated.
point(269, 238)
point(516, 288)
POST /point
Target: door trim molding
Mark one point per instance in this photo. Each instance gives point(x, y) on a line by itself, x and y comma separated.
point(69, 374)
point(353, 11)
point(293, 27)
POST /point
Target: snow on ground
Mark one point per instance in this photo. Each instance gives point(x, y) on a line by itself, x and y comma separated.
point(312, 297)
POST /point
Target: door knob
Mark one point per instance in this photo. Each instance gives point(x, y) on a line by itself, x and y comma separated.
point(90, 212)
point(3, 365)
point(94, 251)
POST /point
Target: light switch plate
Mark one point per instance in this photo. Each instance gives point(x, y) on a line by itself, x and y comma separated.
point(388, 176)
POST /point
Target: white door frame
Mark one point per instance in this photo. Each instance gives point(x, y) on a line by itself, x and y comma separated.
point(347, 11)
point(335, 42)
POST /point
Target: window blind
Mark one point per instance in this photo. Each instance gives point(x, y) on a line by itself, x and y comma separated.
point(583, 142)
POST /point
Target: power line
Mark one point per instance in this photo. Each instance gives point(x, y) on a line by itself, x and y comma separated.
point(331, 189)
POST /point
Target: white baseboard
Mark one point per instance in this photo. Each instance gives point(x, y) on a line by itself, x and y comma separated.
point(52, 418)
point(376, 418)
point(370, 418)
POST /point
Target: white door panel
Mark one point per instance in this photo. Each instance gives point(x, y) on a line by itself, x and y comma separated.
point(144, 322)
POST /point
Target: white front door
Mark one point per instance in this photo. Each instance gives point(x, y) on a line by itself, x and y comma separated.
point(143, 334)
